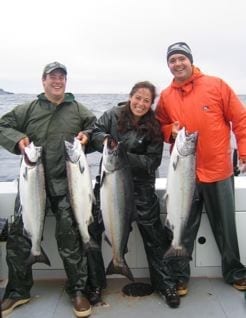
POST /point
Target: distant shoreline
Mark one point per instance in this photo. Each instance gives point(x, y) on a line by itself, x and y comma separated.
point(3, 92)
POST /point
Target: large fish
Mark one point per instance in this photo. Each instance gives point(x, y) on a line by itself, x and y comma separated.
point(180, 189)
point(80, 189)
point(33, 201)
point(117, 204)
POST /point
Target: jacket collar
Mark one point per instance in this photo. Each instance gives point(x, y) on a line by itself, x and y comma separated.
point(186, 86)
point(68, 97)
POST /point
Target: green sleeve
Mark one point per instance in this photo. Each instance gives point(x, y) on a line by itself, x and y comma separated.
point(12, 128)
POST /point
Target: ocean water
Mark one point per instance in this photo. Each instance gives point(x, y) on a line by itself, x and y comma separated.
point(97, 103)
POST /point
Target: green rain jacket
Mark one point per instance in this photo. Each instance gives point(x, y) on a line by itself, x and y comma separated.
point(48, 126)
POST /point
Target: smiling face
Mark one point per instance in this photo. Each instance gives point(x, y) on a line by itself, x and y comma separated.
point(180, 66)
point(54, 85)
point(140, 102)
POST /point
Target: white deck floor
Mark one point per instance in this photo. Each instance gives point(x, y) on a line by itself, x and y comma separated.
point(208, 297)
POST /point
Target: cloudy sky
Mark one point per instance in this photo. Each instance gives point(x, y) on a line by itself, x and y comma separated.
point(108, 45)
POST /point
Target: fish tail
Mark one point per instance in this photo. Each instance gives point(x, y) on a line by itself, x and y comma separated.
point(91, 245)
point(42, 258)
point(120, 269)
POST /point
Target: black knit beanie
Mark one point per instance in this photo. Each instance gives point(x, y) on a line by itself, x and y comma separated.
point(180, 48)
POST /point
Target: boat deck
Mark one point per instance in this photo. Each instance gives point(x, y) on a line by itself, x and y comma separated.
point(207, 297)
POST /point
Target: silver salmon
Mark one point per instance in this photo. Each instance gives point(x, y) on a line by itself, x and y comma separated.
point(33, 201)
point(180, 189)
point(80, 189)
point(117, 204)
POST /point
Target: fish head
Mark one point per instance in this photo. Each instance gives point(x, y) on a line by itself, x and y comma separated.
point(32, 154)
point(114, 154)
point(111, 145)
point(186, 142)
point(73, 150)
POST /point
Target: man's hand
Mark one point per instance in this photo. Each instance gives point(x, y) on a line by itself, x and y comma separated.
point(175, 129)
point(242, 165)
point(23, 143)
point(83, 138)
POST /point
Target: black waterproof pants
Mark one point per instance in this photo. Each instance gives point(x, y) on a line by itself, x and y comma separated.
point(152, 232)
point(219, 201)
point(96, 269)
point(70, 248)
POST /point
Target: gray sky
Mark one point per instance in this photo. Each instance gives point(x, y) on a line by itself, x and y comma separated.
point(108, 45)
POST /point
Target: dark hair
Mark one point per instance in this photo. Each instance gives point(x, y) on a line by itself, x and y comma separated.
point(147, 122)
point(144, 84)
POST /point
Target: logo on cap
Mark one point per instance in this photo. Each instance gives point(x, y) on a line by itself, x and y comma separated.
point(54, 66)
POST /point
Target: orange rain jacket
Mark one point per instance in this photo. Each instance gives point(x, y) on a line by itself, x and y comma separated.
point(208, 105)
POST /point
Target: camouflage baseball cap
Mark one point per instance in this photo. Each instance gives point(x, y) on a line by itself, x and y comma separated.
point(54, 66)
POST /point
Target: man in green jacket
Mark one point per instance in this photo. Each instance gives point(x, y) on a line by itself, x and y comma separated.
point(49, 120)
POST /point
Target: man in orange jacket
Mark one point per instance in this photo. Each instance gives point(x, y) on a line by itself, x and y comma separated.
point(208, 105)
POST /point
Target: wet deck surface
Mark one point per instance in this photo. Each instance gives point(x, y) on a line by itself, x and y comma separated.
point(208, 297)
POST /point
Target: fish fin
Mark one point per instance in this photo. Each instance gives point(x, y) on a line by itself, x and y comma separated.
point(175, 162)
point(168, 224)
point(91, 220)
point(122, 270)
point(25, 173)
point(93, 198)
point(91, 245)
point(107, 240)
point(25, 233)
point(68, 144)
point(169, 232)
point(81, 167)
point(176, 252)
point(102, 178)
point(165, 197)
point(42, 258)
